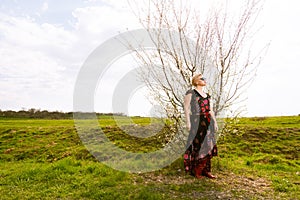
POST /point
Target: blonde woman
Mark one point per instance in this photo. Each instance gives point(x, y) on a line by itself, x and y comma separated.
point(202, 125)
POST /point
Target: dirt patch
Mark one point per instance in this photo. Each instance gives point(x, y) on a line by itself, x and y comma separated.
point(246, 187)
point(227, 186)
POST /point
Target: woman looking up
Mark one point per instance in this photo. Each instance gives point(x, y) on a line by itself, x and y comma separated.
point(202, 125)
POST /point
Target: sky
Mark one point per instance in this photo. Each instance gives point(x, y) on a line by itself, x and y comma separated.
point(44, 43)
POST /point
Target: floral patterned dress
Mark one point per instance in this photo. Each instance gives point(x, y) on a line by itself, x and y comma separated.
point(201, 143)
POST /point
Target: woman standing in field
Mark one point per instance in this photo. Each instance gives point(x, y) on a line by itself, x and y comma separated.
point(201, 124)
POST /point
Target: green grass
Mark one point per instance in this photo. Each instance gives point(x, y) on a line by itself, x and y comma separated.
point(268, 147)
point(45, 159)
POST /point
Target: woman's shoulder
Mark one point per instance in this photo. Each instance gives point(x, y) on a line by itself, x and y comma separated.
point(190, 91)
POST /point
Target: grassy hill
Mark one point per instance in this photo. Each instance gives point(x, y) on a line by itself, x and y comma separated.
point(45, 159)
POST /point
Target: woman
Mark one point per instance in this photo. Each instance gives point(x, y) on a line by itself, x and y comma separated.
point(202, 125)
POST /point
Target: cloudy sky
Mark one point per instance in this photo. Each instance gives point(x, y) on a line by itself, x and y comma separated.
point(43, 44)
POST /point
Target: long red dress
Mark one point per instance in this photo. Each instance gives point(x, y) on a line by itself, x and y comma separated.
point(201, 145)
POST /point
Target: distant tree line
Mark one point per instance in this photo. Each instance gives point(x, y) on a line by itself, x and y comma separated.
point(45, 114)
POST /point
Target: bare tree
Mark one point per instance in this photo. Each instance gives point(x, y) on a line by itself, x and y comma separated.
point(186, 43)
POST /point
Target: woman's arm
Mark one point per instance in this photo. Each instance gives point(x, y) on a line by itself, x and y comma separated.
point(187, 110)
point(213, 117)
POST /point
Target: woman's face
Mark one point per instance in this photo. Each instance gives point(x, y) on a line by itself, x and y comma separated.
point(200, 81)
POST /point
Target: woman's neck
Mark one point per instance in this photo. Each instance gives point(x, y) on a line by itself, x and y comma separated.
point(199, 88)
point(200, 91)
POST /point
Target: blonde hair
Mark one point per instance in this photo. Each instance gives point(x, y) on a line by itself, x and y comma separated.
point(194, 79)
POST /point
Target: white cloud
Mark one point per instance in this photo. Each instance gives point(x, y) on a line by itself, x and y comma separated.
point(32, 64)
point(39, 61)
point(45, 7)
point(103, 20)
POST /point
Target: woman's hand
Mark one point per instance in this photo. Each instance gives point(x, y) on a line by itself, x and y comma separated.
point(188, 126)
point(216, 128)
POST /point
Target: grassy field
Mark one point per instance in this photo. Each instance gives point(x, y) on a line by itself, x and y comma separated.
point(45, 159)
